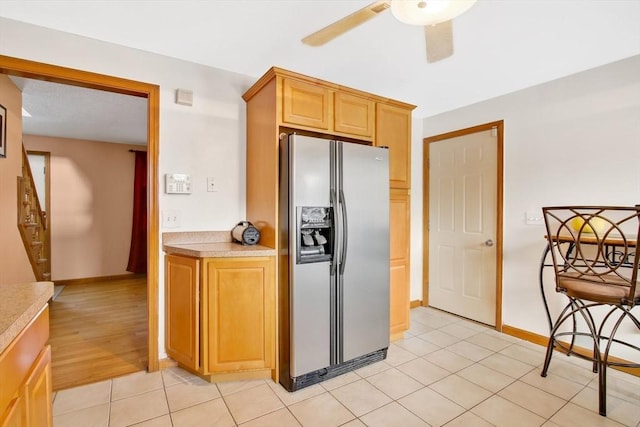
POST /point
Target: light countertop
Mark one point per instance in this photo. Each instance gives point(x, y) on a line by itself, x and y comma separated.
point(217, 250)
point(210, 244)
point(19, 303)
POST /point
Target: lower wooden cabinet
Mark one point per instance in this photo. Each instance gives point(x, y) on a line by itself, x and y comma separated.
point(238, 313)
point(399, 230)
point(221, 316)
point(182, 310)
point(38, 391)
point(25, 377)
point(13, 414)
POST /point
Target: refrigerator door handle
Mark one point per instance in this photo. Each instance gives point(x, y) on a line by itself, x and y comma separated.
point(334, 204)
point(345, 232)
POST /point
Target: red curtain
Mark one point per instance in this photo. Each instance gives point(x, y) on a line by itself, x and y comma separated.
point(138, 251)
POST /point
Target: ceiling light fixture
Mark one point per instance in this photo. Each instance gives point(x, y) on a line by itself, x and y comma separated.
point(428, 12)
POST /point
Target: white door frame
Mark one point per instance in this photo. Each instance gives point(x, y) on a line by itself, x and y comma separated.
point(499, 126)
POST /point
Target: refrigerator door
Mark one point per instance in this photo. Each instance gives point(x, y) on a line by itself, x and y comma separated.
point(363, 289)
point(309, 283)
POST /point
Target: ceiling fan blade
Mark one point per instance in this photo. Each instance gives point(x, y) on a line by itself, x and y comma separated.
point(345, 24)
point(439, 38)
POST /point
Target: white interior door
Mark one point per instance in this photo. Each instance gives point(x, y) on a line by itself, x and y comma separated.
point(462, 226)
point(37, 164)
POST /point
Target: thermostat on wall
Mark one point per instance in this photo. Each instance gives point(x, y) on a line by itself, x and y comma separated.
point(177, 183)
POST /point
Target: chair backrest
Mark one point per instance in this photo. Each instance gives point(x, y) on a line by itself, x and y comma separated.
point(598, 244)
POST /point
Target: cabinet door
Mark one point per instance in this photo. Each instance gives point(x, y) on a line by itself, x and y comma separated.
point(38, 390)
point(399, 239)
point(305, 104)
point(182, 311)
point(399, 299)
point(393, 130)
point(238, 313)
point(12, 416)
point(353, 114)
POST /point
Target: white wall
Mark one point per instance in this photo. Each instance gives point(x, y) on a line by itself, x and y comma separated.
point(554, 134)
point(416, 210)
point(207, 139)
point(575, 140)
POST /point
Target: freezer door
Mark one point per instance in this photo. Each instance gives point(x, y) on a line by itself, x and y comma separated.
point(309, 284)
point(364, 288)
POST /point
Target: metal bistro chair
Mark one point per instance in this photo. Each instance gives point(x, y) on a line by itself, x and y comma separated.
point(595, 258)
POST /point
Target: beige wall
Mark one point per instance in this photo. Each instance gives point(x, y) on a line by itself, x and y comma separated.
point(14, 263)
point(91, 205)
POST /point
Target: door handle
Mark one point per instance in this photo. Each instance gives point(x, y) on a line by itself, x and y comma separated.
point(489, 242)
point(345, 231)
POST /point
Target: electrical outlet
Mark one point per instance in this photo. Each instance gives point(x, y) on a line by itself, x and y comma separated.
point(211, 184)
point(533, 218)
point(171, 218)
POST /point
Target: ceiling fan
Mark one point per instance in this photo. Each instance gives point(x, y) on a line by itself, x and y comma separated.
point(434, 15)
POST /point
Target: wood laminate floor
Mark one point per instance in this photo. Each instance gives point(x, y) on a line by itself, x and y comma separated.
point(98, 331)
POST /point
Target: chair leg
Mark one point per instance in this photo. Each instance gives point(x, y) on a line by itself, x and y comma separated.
point(547, 357)
point(604, 358)
point(602, 388)
point(552, 336)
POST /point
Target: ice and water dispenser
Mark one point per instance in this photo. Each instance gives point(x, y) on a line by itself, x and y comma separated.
point(315, 234)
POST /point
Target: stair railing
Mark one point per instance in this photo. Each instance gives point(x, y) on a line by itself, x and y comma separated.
point(32, 223)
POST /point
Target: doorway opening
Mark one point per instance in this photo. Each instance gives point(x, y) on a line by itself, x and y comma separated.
point(40, 71)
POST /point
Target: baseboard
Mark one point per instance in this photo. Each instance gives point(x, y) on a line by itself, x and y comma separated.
point(543, 340)
point(167, 362)
point(86, 280)
point(525, 335)
point(415, 303)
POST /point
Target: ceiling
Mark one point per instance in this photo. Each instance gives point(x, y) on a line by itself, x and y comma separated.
point(500, 46)
point(74, 112)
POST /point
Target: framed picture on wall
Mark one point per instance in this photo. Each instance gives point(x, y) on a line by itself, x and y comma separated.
point(3, 131)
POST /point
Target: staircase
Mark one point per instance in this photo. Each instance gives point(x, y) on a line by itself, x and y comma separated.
point(32, 223)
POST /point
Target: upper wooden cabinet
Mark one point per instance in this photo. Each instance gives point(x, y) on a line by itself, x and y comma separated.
point(310, 105)
point(353, 114)
point(393, 130)
point(305, 104)
point(282, 101)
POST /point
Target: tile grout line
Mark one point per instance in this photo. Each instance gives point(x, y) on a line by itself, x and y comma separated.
point(404, 353)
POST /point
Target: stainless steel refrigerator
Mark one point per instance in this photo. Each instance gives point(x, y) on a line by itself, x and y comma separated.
point(334, 259)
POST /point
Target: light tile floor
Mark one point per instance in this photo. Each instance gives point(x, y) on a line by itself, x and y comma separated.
point(446, 371)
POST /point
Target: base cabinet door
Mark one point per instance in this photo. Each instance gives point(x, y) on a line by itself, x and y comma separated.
point(25, 376)
point(38, 390)
point(182, 310)
point(12, 416)
point(399, 231)
point(399, 299)
point(238, 306)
